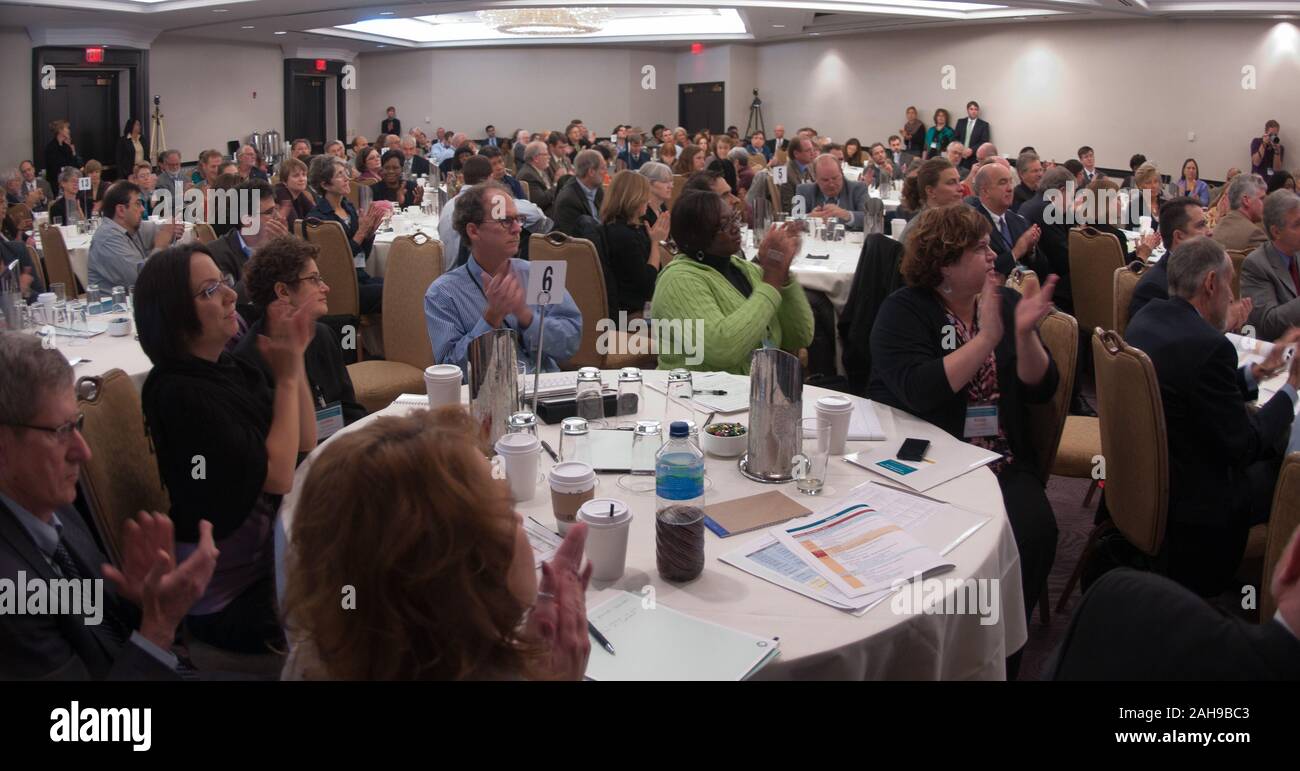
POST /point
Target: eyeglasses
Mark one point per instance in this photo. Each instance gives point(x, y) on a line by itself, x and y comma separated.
point(733, 222)
point(62, 433)
point(213, 287)
point(508, 222)
point(314, 278)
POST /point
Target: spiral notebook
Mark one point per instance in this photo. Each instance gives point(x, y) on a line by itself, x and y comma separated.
point(653, 642)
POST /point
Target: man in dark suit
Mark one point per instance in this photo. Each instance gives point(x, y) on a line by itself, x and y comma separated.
point(1046, 210)
point(32, 184)
point(1013, 239)
point(778, 141)
point(419, 164)
point(831, 195)
point(972, 132)
point(898, 155)
point(1182, 218)
point(491, 139)
point(1223, 458)
point(798, 170)
point(390, 124)
point(1141, 626)
point(582, 196)
point(1270, 276)
point(123, 630)
point(1030, 169)
point(758, 146)
point(536, 171)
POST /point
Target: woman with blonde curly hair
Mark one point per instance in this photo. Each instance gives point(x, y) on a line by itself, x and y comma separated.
point(406, 512)
point(959, 350)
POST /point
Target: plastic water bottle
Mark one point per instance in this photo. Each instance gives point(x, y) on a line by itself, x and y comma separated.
point(679, 506)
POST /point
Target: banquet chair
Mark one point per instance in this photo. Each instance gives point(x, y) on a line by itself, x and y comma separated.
point(1094, 256)
point(679, 183)
point(121, 477)
point(1238, 257)
point(1282, 523)
point(58, 265)
point(1126, 281)
point(413, 263)
point(1135, 449)
point(203, 233)
point(1024, 281)
point(585, 282)
point(524, 185)
point(336, 267)
point(39, 264)
point(354, 192)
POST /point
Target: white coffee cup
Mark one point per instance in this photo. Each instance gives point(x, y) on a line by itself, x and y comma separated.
point(519, 453)
point(608, 522)
point(1144, 224)
point(837, 411)
point(119, 327)
point(896, 226)
point(442, 383)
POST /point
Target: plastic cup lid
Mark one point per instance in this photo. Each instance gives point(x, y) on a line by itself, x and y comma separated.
point(518, 444)
point(596, 512)
point(443, 372)
point(572, 476)
point(834, 404)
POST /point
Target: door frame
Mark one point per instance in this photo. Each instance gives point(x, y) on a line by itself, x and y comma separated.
point(681, 101)
point(134, 61)
point(307, 67)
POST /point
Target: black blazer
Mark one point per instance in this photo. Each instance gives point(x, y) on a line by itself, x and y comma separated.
point(1133, 625)
point(1212, 438)
point(772, 146)
point(1053, 249)
point(570, 204)
point(538, 192)
point(979, 135)
point(391, 126)
point(10, 250)
point(64, 647)
point(628, 252)
point(907, 369)
point(327, 376)
point(1017, 225)
point(125, 155)
point(382, 192)
point(1021, 195)
point(1154, 285)
point(57, 156)
point(420, 165)
point(875, 278)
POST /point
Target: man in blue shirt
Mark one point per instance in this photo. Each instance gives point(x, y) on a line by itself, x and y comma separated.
point(487, 292)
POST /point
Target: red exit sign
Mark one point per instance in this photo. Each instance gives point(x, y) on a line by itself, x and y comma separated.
point(95, 55)
point(320, 65)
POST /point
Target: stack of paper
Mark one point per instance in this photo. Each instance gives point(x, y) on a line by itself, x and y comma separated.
point(652, 642)
point(945, 459)
point(937, 525)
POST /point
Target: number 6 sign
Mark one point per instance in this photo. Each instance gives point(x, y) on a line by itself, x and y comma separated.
point(545, 282)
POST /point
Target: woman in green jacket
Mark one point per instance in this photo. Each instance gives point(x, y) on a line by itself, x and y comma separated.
point(938, 136)
point(727, 306)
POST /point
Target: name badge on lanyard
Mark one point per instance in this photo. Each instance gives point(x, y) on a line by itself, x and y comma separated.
point(981, 420)
point(329, 419)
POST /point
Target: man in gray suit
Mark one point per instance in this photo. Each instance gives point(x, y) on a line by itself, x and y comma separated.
point(32, 184)
point(883, 167)
point(124, 240)
point(121, 629)
point(1270, 277)
point(831, 195)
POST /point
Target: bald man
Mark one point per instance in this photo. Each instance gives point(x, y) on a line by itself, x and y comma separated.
point(1013, 239)
point(831, 195)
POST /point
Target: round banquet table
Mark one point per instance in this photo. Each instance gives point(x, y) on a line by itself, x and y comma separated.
point(377, 262)
point(817, 641)
point(103, 352)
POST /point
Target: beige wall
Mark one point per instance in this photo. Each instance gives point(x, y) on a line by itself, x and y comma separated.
point(16, 96)
point(515, 88)
point(1121, 88)
point(207, 111)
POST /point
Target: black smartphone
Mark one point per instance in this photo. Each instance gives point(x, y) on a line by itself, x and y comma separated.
point(913, 449)
point(818, 256)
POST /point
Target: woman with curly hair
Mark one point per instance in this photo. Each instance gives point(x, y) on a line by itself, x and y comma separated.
point(957, 349)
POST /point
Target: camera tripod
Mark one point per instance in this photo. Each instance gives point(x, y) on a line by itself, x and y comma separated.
point(755, 116)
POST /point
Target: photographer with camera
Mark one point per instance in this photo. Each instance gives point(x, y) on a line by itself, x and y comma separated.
point(1266, 151)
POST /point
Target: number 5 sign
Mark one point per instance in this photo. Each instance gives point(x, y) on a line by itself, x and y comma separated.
point(545, 282)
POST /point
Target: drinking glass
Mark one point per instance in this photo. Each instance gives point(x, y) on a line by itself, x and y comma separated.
point(629, 392)
point(810, 464)
point(647, 438)
point(590, 401)
point(678, 404)
point(575, 440)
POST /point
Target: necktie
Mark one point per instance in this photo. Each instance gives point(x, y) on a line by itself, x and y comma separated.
point(1004, 230)
point(1295, 276)
point(69, 569)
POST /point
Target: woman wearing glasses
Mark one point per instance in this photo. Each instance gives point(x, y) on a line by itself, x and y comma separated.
point(227, 440)
point(742, 305)
point(284, 270)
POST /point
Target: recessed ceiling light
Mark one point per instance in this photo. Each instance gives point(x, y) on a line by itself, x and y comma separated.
point(387, 13)
point(814, 34)
point(778, 26)
point(282, 33)
point(221, 10)
point(247, 26)
point(381, 46)
point(1280, 16)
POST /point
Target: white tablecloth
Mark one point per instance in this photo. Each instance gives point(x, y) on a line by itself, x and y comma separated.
point(377, 262)
point(817, 641)
point(104, 352)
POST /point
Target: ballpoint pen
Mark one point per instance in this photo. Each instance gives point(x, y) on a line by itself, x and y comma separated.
point(711, 392)
point(600, 638)
point(550, 452)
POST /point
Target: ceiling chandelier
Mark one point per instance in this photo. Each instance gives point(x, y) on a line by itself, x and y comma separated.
point(544, 21)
